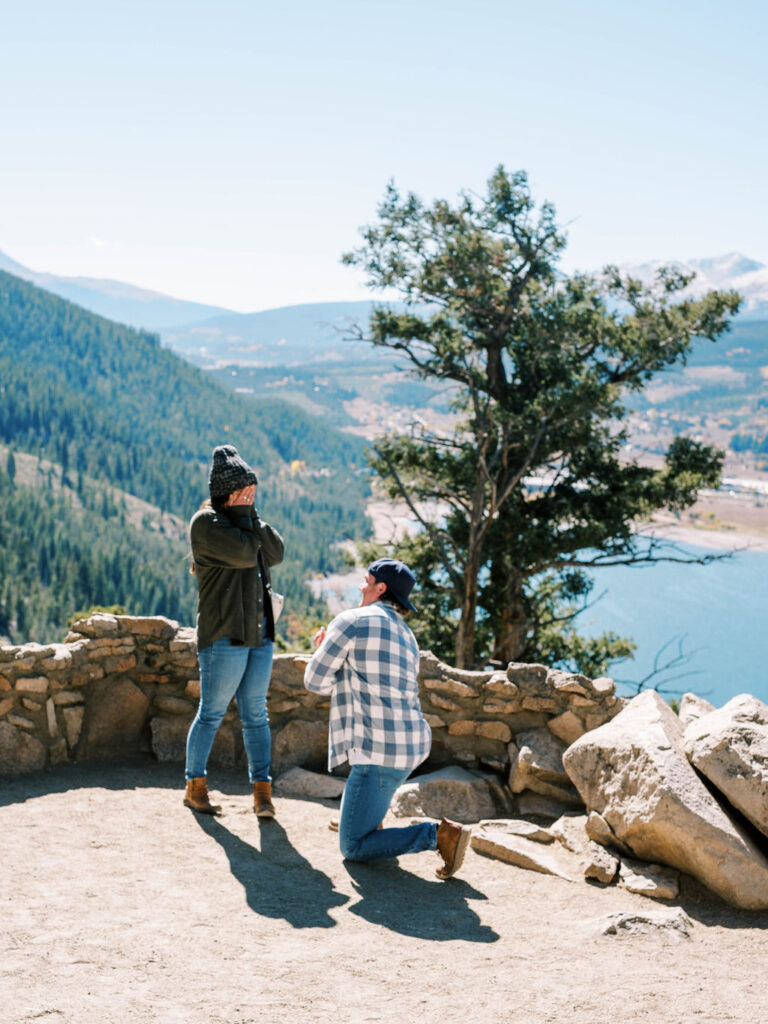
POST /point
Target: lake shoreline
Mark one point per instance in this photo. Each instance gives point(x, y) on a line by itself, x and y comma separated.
point(703, 537)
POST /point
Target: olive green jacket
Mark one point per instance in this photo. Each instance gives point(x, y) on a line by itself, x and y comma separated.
point(232, 552)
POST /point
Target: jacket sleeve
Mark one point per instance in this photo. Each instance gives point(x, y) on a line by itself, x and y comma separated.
point(230, 539)
point(272, 546)
point(324, 668)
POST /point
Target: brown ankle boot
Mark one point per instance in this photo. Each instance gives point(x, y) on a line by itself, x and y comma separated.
point(452, 841)
point(262, 800)
point(196, 797)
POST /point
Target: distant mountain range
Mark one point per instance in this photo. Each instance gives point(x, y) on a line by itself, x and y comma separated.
point(123, 303)
point(731, 271)
point(286, 336)
point(313, 333)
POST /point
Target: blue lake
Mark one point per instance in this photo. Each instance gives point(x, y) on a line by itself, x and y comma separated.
point(720, 609)
point(719, 612)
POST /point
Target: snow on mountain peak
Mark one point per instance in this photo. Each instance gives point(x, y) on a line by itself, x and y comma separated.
point(732, 270)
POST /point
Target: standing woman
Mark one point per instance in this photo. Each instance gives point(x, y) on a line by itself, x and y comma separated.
point(232, 551)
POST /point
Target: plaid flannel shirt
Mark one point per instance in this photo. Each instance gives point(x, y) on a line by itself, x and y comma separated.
point(369, 663)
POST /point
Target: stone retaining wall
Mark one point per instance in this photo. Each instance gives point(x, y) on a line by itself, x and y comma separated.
point(119, 686)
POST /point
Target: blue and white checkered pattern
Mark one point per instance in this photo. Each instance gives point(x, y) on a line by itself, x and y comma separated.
point(369, 662)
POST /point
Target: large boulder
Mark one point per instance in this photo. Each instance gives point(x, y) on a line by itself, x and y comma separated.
point(730, 747)
point(692, 707)
point(634, 773)
point(19, 752)
point(448, 793)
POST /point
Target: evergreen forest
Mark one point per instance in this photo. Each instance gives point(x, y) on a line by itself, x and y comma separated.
point(109, 411)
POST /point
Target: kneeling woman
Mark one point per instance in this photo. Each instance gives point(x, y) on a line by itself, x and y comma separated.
point(232, 551)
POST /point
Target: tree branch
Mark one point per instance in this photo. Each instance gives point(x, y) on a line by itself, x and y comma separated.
point(434, 534)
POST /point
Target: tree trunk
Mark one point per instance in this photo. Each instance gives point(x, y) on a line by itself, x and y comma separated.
point(509, 642)
point(511, 628)
point(497, 378)
point(465, 635)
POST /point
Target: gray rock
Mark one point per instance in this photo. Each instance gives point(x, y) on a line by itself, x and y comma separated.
point(600, 865)
point(693, 707)
point(598, 829)
point(297, 782)
point(652, 880)
point(448, 793)
point(534, 805)
point(57, 753)
point(730, 747)
point(169, 737)
point(73, 723)
point(431, 667)
point(174, 706)
point(19, 752)
point(633, 771)
point(523, 853)
point(595, 862)
point(169, 741)
point(33, 684)
point(155, 626)
point(530, 679)
point(300, 744)
point(117, 711)
point(517, 827)
point(99, 625)
point(570, 831)
point(674, 923)
point(500, 794)
point(567, 727)
point(604, 686)
point(567, 682)
point(536, 763)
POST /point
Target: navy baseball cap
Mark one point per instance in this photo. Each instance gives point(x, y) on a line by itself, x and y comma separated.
point(398, 578)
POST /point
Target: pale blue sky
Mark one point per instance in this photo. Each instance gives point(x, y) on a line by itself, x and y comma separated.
point(229, 152)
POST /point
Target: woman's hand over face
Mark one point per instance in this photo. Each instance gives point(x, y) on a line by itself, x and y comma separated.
point(246, 496)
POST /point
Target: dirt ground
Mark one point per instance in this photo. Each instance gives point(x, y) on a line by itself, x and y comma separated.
point(120, 906)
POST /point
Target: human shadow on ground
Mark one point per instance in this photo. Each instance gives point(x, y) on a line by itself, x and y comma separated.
point(278, 881)
point(410, 905)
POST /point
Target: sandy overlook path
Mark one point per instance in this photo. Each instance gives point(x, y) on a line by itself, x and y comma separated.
point(120, 906)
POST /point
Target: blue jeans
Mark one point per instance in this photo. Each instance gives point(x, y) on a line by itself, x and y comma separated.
point(367, 796)
point(228, 671)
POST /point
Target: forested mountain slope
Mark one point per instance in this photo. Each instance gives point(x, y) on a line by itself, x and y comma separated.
point(64, 550)
point(110, 406)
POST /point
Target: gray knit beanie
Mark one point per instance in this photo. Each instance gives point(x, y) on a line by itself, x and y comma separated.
point(228, 472)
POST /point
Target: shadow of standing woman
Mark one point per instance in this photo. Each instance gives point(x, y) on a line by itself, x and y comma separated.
point(278, 881)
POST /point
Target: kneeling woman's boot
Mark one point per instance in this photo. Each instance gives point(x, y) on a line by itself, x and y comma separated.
point(262, 800)
point(196, 797)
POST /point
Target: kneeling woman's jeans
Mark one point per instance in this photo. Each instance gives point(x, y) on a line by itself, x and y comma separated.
point(228, 671)
point(367, 796)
